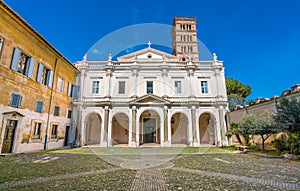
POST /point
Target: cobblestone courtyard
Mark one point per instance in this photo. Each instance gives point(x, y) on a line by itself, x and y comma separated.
point(203, 168)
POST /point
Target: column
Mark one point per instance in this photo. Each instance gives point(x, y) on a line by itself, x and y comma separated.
point(82, 129)
point(193, 114)
point(166, 124)
point(224, 141)
point(106, 118)
point(133, 129)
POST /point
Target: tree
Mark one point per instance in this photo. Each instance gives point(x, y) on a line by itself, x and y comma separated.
point(236, 92)
point(235, 129)
point(288, 120)
point(247, 123)
point(263, 125)
point(288, 115)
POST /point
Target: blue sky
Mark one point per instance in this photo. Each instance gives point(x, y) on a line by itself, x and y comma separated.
point(258, 40)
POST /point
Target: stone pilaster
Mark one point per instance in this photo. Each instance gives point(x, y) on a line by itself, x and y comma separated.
point(165, 124)
point(133, 128)
point(106, 118)
point(193, 115)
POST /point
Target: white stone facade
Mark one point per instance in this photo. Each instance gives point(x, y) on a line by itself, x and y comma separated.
point(150, 96)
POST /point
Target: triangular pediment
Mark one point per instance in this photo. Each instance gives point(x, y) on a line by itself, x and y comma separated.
point(148, 54)
point(150, 99)
point(13, 113)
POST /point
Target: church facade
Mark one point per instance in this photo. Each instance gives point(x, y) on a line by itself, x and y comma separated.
point(152, 97)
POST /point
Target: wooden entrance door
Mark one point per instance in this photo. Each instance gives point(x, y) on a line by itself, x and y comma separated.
point(149, 130)
point(9, 135)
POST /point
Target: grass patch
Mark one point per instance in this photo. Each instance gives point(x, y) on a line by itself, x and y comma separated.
point(49, 163)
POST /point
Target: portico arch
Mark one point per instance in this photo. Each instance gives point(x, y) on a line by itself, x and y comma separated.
point(120, 129)
point(93, 124)
point(149, 127)
point(207, 129)
point(179, 128)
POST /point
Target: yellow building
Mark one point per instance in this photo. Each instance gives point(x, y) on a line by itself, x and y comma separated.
point(36, 83)
point(259, 106)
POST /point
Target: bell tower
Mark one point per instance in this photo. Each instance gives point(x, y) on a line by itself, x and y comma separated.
point(184, 38)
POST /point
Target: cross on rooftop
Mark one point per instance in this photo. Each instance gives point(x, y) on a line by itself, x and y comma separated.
point(149, 44)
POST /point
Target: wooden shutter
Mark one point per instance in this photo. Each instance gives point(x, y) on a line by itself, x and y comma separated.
point(49, 78)
point(40, 73)
point(30, 67)
point(15, 59)
point(75, 92)
point(39, 106)
point(16, 100)
point(69, 89)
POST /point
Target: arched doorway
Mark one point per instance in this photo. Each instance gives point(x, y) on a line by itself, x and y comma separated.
point(149, 127)
point(120, 128)
point(207, 124)
point(179, 127)
point(92, 129)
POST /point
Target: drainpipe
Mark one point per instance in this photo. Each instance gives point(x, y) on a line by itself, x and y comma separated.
point(50, 104)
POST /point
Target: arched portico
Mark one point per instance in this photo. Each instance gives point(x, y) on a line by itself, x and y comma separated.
point(179, 128)
point(207, 129)
point(120, 129)
point(93, 124)
point(149, 127)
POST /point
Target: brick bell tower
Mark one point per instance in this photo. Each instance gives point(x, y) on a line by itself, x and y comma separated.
point(184, 38)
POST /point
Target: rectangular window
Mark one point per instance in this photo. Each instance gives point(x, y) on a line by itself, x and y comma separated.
point(69, 114)
point(22, 63)
point(1, 45)
point(39, 106)
point(178, 89)
point(44, 75)
point(121, 87)
point(204, 87)
point(149, 87)
point(54, 131)
point(15, 100)
point(56, 110)
point(60, 84)
point(95, 87)
point(36, 130)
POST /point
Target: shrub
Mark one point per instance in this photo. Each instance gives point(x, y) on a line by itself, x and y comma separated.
point(280, 145)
